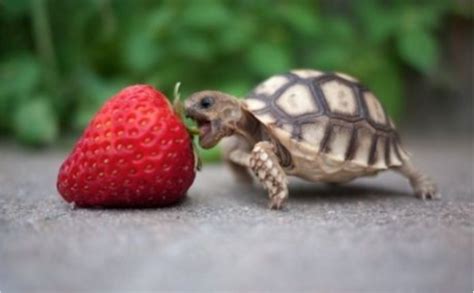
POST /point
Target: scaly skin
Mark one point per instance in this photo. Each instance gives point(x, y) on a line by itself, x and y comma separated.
point(422, 184)
point(264, 164)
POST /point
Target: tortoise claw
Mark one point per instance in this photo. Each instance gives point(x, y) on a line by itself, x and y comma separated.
point(427, 190)
point(428, 195)
point(277, 201)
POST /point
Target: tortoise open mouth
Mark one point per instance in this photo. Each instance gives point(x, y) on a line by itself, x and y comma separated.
point(204, 127)
point(206, 136)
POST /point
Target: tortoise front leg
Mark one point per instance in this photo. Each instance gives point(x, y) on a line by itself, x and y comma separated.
point(265, 165)
point(263, 162)
point(422, 184)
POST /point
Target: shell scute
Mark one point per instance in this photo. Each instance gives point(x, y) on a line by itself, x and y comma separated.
point(307, 73)
point(313, 133)
point(338, 142)
point(375, 109)
point(297, 100)
point(340, 98)
point(271, 85)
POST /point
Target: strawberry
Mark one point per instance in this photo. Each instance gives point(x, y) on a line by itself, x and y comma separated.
point(136, 152)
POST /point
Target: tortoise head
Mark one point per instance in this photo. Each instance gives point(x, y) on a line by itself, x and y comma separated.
point(216, 115)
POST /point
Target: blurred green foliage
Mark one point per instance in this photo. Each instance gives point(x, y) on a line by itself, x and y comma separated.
point(59, 60)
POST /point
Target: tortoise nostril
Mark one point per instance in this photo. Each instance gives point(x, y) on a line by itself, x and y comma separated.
point(186, 112)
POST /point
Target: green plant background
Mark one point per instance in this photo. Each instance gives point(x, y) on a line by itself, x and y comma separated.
point(61, 59)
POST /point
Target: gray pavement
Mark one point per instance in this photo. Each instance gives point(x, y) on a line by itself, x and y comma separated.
point(370, 235)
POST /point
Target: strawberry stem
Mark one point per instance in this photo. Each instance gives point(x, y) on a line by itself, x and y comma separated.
point(178, 107)
point(177, 104)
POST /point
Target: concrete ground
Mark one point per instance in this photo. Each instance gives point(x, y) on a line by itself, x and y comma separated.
point(368, 236)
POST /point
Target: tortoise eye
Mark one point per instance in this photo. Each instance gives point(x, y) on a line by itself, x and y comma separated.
point(206, 102)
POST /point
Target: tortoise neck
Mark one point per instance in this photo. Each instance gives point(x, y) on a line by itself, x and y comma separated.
point(249, 128)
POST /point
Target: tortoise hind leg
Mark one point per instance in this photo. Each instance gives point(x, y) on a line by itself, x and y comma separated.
point(422, 184)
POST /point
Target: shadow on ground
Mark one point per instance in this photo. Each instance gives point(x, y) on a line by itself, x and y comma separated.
point(318, 193)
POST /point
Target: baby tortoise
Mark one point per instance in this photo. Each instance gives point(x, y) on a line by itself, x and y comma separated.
point(319, 126)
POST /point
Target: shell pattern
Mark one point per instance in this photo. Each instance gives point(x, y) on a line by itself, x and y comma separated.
point(313, 112)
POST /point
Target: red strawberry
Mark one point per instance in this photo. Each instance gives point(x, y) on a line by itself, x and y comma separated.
point(136, 152)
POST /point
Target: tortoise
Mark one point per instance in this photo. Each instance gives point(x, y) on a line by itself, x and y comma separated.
point(319, 126)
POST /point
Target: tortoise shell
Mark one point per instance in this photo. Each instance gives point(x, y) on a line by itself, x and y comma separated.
point(312, 112)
